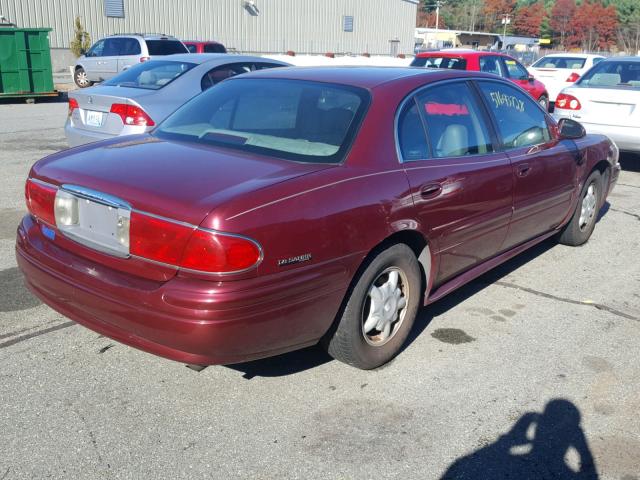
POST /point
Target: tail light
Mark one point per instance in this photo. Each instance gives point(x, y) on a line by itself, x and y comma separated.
point(568, 102)
point(191, 248)
point(144, 59)
point(73, 104)
point(132, 115)
point(40, 201)
point(573, 77)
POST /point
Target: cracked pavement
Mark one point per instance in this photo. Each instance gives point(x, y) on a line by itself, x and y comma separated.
point(550, 341)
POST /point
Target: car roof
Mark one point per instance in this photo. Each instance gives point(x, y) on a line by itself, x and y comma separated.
point(460, 52)
point(200, 58)
point(360, 76)
point(146, 36)
point(622, 59)
point(204, 42)
point(572, 55)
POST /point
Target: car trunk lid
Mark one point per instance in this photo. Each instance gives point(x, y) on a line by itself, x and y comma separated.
point(607, 106)
point(94, 109)
point(177, 181)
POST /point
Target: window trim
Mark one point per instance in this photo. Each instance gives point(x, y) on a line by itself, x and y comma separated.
point(501, 146)
point(495, 141)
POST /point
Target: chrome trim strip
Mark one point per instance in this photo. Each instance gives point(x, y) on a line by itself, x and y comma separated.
point(46, 184)
point(96, 196)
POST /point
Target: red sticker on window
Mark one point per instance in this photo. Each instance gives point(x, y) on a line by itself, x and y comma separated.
point(450, 109)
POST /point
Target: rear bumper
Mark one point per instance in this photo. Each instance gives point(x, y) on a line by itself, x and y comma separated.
point(185, 319)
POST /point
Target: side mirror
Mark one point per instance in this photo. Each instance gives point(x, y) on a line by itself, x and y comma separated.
point(531, 78)
point(570, 129)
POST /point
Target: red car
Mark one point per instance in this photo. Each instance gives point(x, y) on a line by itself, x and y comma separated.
point(287, 207)
point(196, 46)
point(489, 62)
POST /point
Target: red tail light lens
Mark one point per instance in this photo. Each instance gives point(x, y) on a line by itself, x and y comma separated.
point(185, 247)
point(144, 59)
point(73, 104)
point(568, 102)
point(573, 77)
point(215, 252)
point(132, 115)
point(40, 201)
point(157, 239)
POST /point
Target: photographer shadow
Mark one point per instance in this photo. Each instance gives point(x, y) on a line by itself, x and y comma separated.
point(540, 446)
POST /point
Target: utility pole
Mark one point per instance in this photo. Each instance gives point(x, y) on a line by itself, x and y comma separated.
point(506, 20)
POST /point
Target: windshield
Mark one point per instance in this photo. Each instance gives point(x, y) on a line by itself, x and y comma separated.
point(165, 47)
point(613, 74)
point(291, 119)
point(560, 62)
point(440, 62)
point(151, 75)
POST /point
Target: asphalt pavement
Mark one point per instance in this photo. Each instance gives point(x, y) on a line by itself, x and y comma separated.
point(530, 371)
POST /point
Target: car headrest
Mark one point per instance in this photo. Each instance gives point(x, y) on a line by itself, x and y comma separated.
point(605, 79)
point(147, 78)
point(454, 141)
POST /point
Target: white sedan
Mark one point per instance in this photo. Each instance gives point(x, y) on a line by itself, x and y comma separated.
point(560, 70)
point(606, 100)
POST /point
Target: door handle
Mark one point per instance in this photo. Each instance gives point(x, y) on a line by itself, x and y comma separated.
point(523, 169)
point(430, 191)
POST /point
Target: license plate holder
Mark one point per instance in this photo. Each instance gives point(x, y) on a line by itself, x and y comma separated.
point(93, 118)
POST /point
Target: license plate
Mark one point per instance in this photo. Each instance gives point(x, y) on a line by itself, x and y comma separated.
point(93, 119)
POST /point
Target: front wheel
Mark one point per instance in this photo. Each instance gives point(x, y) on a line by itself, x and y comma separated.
point(544, 102)
point(80, 78)
point(380, 310)
point(581, 225)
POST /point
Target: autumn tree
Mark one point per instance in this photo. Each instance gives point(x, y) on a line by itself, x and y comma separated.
point(595, 26)
point(494, 11)
point(428, 20)
point(561, 16)
point(528, 19)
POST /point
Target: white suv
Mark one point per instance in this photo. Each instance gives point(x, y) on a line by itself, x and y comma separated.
point(110, 56)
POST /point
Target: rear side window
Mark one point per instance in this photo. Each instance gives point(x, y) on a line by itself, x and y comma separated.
point(111, 47)
point(191, 47)
point(291, 119)
point(560, 62)
point(491, 64)
point(214, 48)
point(223, 72)
point(456, 126)
point(440, 62)
point(521, 122)
point(129, 46)
point(515, 70)
point(411, 137)
point(152, 75)
point(165, 47)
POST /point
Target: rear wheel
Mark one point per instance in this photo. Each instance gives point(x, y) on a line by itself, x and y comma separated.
point(380, 311)
point(80, 78)
point(581, 225)
point(544, 102)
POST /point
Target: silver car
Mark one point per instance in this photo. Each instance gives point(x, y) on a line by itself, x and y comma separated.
point(606, 100)
point(142, 96)
point(114, 54)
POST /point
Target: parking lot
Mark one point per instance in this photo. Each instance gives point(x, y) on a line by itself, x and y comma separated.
point(551, 339)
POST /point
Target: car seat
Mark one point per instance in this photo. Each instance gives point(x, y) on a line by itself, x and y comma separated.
point(454, 141)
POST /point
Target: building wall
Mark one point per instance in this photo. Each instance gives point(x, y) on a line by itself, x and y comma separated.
point(304, 26)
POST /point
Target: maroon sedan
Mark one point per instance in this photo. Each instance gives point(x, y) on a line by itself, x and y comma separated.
point(288, 207)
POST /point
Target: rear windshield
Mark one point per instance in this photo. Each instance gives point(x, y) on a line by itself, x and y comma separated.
point(151, 75)
point(165, 47)
point(440, 62)
point(291, 119)
point(613, 74)
point(560, 62)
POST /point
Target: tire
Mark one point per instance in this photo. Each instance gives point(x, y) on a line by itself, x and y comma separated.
point(544, 102)
point(583, 221)
point(350, 343)
point(80, 78)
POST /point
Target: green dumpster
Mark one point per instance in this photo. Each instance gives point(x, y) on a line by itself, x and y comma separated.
point(25, 63)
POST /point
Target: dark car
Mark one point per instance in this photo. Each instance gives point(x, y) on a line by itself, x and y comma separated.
point(197, 46)
point(287, 207)
point(490, 62)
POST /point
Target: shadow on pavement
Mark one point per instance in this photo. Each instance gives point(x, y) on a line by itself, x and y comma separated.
point(630, 161)
point(540, 446)
point(60, 98)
